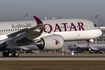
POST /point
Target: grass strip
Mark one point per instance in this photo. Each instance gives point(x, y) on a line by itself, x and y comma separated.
point(52, 65)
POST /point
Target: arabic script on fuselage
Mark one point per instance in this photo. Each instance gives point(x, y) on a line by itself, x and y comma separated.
point(21, 25)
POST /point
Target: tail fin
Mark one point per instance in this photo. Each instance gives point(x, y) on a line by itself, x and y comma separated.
point(38, 20)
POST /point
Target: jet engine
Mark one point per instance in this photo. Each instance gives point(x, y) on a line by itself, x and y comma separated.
point(51, 42)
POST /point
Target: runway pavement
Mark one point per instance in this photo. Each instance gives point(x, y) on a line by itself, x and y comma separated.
point(56, 57)
point(52, 58)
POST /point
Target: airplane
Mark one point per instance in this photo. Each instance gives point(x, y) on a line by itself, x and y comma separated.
point(97, 48)
point(48, 34)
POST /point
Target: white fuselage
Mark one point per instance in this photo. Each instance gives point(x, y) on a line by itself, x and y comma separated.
point(69, 29)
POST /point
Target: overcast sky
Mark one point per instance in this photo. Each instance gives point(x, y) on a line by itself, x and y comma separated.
point(11, 10)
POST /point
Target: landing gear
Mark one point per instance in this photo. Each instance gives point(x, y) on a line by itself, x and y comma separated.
point(5, 54)
point(88, 49)
point(88, 43)
point(15, 54)
point(10, 54)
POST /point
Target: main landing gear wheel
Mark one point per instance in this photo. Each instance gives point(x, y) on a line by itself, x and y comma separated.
point(15, 54)
point(5, 54)
point(10, 54)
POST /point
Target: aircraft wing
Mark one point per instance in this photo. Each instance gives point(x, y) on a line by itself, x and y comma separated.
point(94, 48)
point(28, 47)
point(28, 32)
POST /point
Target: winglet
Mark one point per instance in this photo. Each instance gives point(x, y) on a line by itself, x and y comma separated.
point(38, 20)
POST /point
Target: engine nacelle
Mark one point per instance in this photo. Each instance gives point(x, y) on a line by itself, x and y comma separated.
point(51, 42)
